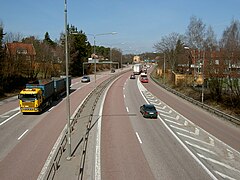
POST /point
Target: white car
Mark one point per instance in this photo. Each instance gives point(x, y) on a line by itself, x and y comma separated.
point(85, 79)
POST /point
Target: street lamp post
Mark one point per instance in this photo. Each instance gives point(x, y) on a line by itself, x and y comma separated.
point(67, 85)
point(164, 67)
point(94, 49)
point(203, 76)
point(121, 60)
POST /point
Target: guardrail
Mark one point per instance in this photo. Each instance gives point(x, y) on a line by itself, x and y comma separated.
point(204, 106)
point(61, 146)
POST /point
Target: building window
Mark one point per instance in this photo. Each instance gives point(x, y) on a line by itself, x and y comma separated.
point(28, 58)
point(21, 51)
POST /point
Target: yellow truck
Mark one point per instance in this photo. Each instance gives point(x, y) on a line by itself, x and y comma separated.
point(37, 96)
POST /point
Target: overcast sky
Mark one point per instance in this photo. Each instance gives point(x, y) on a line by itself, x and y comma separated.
point(139, 23)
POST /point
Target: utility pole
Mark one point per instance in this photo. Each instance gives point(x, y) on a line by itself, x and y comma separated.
point(164, 68)
point(203, 76)
point(67, 85)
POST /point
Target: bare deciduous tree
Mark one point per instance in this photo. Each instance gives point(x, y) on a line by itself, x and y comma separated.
point(11, 37)
point(167, 45)
point(196, 33)
point(210, 42)
point(230, 42)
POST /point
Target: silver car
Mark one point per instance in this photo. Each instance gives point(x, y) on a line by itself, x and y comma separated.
point(85, 79)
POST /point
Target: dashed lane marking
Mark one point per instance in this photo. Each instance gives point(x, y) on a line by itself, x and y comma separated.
point(139, 139)
point(23, 134)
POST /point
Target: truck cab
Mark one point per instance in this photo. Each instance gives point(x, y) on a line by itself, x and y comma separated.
point(30, 100)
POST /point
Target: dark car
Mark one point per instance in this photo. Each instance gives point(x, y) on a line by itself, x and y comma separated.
point(144, 79)
point(148, 111)
point(132, 76)
point(85, 79)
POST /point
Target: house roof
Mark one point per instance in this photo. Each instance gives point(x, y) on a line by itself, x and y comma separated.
point(20, 48)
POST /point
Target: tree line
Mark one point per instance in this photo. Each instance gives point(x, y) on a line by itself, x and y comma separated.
point(49, 60)
point(221, 81)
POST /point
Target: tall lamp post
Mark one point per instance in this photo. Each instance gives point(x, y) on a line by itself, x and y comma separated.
point(164, 68)
point(67, 85)
point(203, 76)
point(94, 49)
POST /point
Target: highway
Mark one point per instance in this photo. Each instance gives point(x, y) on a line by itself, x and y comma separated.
point(185, 142)
point(26, 140)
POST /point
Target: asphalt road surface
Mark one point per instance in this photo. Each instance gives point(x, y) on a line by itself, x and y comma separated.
point(26, 140)
point(185, 142)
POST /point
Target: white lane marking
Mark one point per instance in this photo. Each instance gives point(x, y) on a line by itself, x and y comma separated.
point(173, 122)
point(224, 176)
point(178, 139)
point(127, 109)
point(169, 112)
point(196, 132)
point(9, 118)
point(98, 138)
point(230, 154)
point(139, 139)
point(211, 140)
point(23, 134)
point(158, 103)
point(201, 148)
point(218, 162)
point(50, 109)
point(56, 145)
point(184, 135)
point(124, 96)
point(4, 116)
point(177, 117)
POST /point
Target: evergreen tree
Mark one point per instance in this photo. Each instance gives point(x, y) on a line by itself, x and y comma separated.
point(80, 50)
point(48, 40)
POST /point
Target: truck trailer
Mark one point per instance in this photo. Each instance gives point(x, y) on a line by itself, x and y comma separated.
point(37, 96)
point(59, 87)
point(137, 69)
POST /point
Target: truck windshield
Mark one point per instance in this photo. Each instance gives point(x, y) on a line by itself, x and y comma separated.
point(28, 97)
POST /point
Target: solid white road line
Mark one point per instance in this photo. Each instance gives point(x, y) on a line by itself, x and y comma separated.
point(98, 138)
point(50, 109)
point(127, 109)
point(23, 134)
point(139, 139)
point(9, 118)
point(141, 89)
